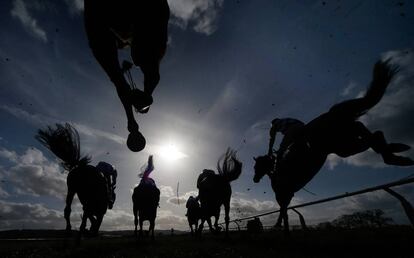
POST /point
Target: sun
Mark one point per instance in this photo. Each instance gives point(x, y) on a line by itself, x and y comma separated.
point(171, 153)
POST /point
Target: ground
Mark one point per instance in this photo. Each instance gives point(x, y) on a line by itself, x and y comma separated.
point(390, 242)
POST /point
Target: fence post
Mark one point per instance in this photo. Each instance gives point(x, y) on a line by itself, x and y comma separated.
point(301, 219)
point(408, 208)
point(238, 226)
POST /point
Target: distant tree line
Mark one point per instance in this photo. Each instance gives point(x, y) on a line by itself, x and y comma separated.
point(363, 219)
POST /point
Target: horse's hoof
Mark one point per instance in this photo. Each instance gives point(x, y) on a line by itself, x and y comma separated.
point(397, 160)
point(136, 141)
point(397, 147)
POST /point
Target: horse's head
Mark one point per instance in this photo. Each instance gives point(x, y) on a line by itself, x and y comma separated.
point(263, 166)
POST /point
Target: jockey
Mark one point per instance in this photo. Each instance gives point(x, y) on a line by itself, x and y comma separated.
point(110, 175)
point(288, 127)
point(145, 179)
point(203, 176)
point(142, 25)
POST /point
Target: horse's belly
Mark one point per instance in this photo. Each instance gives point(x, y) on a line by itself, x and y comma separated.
point(298, 166)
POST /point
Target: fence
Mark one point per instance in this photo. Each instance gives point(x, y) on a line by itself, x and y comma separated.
point(408, 208)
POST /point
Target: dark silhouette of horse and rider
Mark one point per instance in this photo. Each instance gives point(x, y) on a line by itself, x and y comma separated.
point(305, 147)
point(145, 199)
point(94, 185)
point(215, 190)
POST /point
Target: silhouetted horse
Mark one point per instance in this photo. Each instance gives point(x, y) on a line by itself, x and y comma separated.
point(142, 25)
point(336, 131)
point(83, 179)
point(215, 189)
point(193, 212)
point(145, 198)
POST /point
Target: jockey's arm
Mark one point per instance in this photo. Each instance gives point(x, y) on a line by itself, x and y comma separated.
point(114, 175)
point(273, 132)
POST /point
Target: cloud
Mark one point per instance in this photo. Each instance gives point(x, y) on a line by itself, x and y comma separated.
point(20, 11)
point(166, 191)
point(241, 207)
point(21, 215)
point(40, 120)
point(118, 220)
point(166, 219)
point(201, 15)
point(3, 193)
point(393, 115)
point(349, 89)
point(181, 200)
point(364, 159)
point(75, 6)
point(33, 174)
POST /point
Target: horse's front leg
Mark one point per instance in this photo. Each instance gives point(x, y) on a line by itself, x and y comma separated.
point(199, 229)
point(285, 221)
point(67, 210)
point(279, 221)
point(209, 225)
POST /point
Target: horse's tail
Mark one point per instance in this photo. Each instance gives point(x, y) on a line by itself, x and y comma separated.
point(63, 141)
point(382, 75)
point(228, 166)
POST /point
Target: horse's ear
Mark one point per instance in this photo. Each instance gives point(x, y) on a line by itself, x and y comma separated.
point(254, 158)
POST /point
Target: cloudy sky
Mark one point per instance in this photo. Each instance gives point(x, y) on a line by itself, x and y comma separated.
point(231, 67)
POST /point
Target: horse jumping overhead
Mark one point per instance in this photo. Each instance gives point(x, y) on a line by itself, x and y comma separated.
point(142, 25)
point(304, 149)
point(215, 189)
point(83, 179)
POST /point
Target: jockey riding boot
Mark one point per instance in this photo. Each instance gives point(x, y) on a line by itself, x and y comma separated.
point(140, 100)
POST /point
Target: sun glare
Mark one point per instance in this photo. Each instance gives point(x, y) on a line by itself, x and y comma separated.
point(171, 153)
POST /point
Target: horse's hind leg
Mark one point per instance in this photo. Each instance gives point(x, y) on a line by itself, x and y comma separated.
point(227, 217)
point(216, 226)
point(191, 228)
point(82, 228)
point(151, 228)
point(140, 226)
point(380, 145)
point(284, 201)
point(85, 217)
point(96, 224)
point(135, 220)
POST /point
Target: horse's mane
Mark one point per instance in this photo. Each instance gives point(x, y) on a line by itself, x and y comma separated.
point(228, 166)
point(63, 141)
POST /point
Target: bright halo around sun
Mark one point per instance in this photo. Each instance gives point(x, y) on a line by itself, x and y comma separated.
point(171, 152)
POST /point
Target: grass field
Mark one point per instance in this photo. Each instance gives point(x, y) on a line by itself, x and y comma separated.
point(389, 242)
